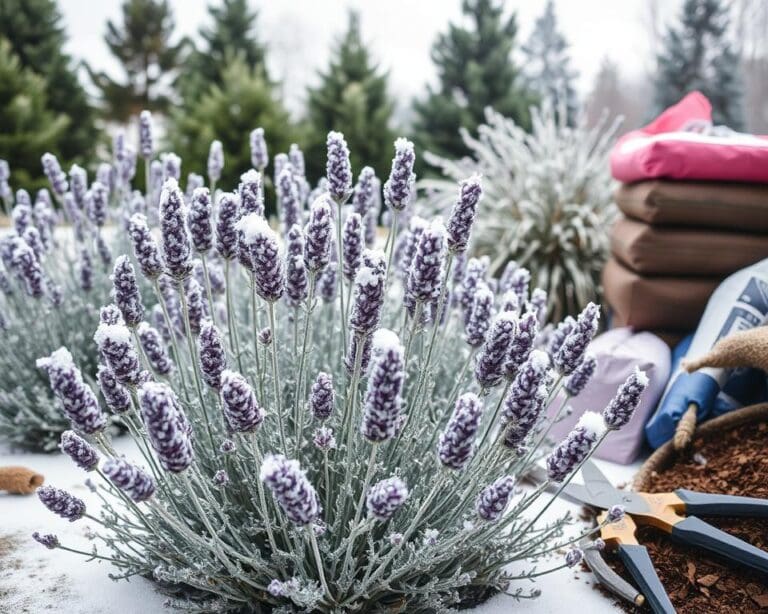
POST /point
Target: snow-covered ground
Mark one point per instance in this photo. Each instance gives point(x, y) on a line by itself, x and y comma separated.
point(34, 580)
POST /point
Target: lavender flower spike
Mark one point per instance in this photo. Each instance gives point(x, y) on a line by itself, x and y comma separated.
point(145, 135)
point(290, 486)
point(28, 268)
point(480, 316)
point(200, 226)
point(144, 247)
point(383, 400)
point(463, 215)
point(352, 242)
point(117, 398)
point(296, 278)
point(61, 503)
point(77, 399)
point(96, 205)
point(259, 152)
point(241, 410)
point(213, 357)
point(398, 189)
point(580, 377)
point(576, 447)
point(489, 367)
point(425, 276)
point(324, 439)
point(526, 398)
point(561, 332)
point(251, 193)
point(167, 426)
point(110, 314)
point(215, 161)
point(83, 454)
point(338, 170)
point(575, 345)
point(369, 293)
point(522, 344)
point(319, 230)
point(226, 231)
point(321, 397)
point(125, 291)
point(114, 341)
point(134, 482)
point(268, 274)
point(154, 349)
point(493, 499)
point(456, 444)
point(56, 176)
point(385, 498)
point(175, 239)
point(49, 540)
point(623, 405)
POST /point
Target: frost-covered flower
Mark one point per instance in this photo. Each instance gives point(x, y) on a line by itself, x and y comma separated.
point(110, 314)
point(173, 231)
point(114, 341)
point(399, 188)
point(215, 161)
point(146, 146)
point(116, 396)
point(226, 226)
point(318, 233)
point(200, 225)
point(364, 343)
point(21, 216)
point(430, 537)
point(85, 271)
point(480, 317)
point(82, 453)
point(456, 444)
point(558, 336)
point(408, 243)
point(259, 152)
point(144, 247)
point(251, 192)
point(338, 169)
point(154, 349)
point(526, 397)
point(577, 380)
point(362, 200)
point(265, 336)
point(385, 498)
point(49, 540)
point(573, 557)
point(134, 482)
point(383, 400)
point(462, 217)
point(290, 486)
point(489, 367)
point(538, 304)
point(575, 345)
point(241, 409)
point(171, 165)
point(296, 278)
point(213, 356)
point(56, 176)
point(61, 503)
point(167, 427)
point(622, 407)
point(522, 344)
point(105, 253)
point(425, 275)
point(352, 243)
point(227, 446)
point(519, 283)
point(96, 205)
point(27, 267)
point(575, 448)
point(615, 513)
point(77, 400)
point(473, 277)
point(324, 439)
point(494, 498)
point(268, 274)
point(125, 291)
point(220, 478)
point(288, 198)
point(368, 293)
point(321, 397)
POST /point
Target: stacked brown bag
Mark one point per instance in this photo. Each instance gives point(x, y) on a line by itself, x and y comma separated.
point(675, 243)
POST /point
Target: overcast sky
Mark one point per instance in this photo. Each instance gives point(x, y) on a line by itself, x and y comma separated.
point(300, 34)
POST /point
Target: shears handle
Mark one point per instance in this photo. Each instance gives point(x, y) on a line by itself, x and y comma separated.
point(639, 564)
point(706, 504)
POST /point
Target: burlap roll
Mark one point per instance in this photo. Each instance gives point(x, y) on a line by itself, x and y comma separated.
point(19, 480)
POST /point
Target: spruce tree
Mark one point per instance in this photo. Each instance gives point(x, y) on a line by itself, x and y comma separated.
point(142, 44)
point(475, 70)
point(697, 55)
point(352, 97)
point(28, 127)
point(547, 67)
point(37, 38)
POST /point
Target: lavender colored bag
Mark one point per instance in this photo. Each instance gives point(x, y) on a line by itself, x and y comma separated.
point(618, 352)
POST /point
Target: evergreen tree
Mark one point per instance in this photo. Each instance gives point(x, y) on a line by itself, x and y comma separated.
point(28, 127)
point(37, 38)
point(475, 70)
point(142, 44)
point(228, 112)
point(233, 31)
point(352, 97)
point(547, 64)
point(698, 56)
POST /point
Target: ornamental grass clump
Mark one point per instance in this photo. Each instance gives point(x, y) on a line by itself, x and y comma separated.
point(352, 443)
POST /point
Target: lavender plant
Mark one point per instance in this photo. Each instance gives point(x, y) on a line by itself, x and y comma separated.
point(312, 445)
point(548, 200)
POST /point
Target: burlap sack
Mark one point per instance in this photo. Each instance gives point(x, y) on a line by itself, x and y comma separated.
point(735, 206)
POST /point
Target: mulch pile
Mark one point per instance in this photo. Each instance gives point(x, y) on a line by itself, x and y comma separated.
point(697, 582)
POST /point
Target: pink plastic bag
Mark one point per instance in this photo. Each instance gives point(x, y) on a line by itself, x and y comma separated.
point(661, 149)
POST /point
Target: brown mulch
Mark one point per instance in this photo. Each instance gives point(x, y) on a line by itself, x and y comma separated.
point(697, 582)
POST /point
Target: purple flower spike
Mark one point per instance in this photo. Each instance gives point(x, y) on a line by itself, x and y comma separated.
point(575, 345)
point(580, 377)
point(241, 410)
point(321, 397)
point(575, 447)
point(338, 170)
point(522, 344)
point(327, 284)
point(383, 400)
point(31, 237)
point(474, 276)
point(480, 316)
point(134, 482)
point(117, 398)
point(78, 183)
point(324, 439)
point(290, 486)
point(27, 267)
point(296, 156)
point(493, 499)
point(83, 454)
point(144, 247)
point(525, 399)
point(125, 291)
point(21, 216)
point(114, 341)
point(268, 274)
point(296, 278)
point(259, 153)
point(519, 283)
point(398, 189)
point(173, 228)
point(56, 176)
point(49, 540)
point(77, 400)
point(615, 513)
point(215, 161)
point(251, 192)
point(623, 405)
point(369, 293)
point(425, 275)
point(538, 304)
point(154, 349)
point(61, 503)
point(489, 368)
point(200, 225)
point(167, 427)
point(559, 335)
point(573, 557)
point(365, 356)
point(463, 215)
point(145, 135)
point(352, 243)
point(110, 314)
point(362, 200)
point(195, 305)
point(265, 336)
point(385, 498)
point(289, 203)
point(85, 271)
point(456, 444)
point(96, 208)
point(213, 357)
point(318, 233)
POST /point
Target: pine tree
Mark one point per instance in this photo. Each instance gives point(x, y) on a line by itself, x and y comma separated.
point(547, 64)
point(28, 125)
point(352, 97)
point(475, 70)
point(37, 38)
point(142, 44)
point(229, 112)
point(233, 31)
point(698, 56)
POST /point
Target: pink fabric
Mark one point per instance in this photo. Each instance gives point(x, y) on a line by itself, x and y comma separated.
point(618, 352)
point(661, 150)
